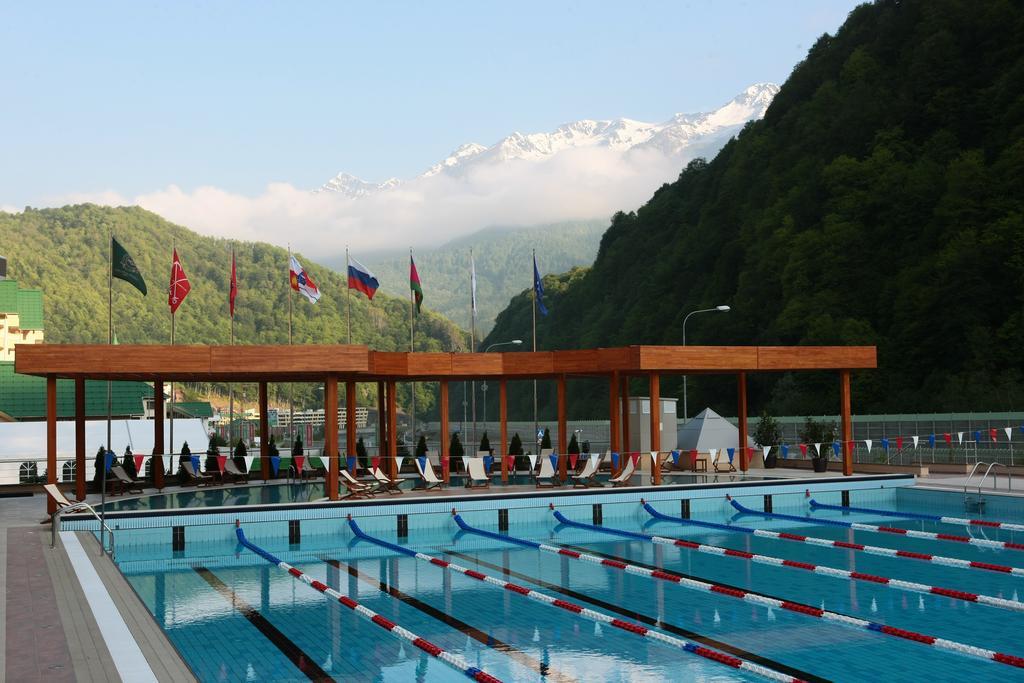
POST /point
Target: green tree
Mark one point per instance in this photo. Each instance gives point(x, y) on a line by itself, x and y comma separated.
point(455, 449)
point(768, 432)
point(485, 443)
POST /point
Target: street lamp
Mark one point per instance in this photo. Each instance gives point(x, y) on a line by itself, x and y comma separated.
point(483, 387)
point(716, 309)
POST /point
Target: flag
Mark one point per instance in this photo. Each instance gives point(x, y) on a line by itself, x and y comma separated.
point(233, 292)
point(415, 285)
point(179, 287)
point(538, 288)
point(301, 282)
point(472, 283)
point(361, 279)
point(123, 267)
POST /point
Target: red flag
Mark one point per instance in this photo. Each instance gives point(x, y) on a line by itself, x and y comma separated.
point(138, 463)
point(992, 432)
point(573, 458)
point(234, 285)
point(180, 286)
point(511, 461)
point(949, 438)
point(899, 443)
point(803, 449)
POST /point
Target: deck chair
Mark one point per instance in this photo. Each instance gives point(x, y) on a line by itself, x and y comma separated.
point(625, 475)
point(198, 478)
point(63, 506)
point(427, 476)
point(588, 475)
point(720, 466)
point(546, 472)
point(232, 470)
point(384, 485)
point(356, 488)
point(477, 475)
point(128, 484)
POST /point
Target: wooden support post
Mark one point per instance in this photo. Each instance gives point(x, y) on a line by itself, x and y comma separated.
point(392, 430)
point(563, 458)
point(382, 422)
point(846, 422)
point(158, 434)
point(741, 413)
point(444, 430)
point(350, 418)
point(80, 478)
point(264, 438)
point(503, 427)
point(655, 395)
point(624, 453)
point(614, 414)
point(331, 434)
point(51, 438)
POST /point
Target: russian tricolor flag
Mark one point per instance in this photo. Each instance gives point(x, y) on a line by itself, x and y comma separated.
point(361, 279)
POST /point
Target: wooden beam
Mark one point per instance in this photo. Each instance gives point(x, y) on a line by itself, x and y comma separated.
point(614, 414)
point(503, 427)
point(158, 435)
point(655, 395)
point(625, 425)
point(392, 429)
point(351, 430)
point(741, 391)
point(563, 426)
point(51, 438)
point(382, 422)
point(445, 427)
point(80, 478)
point(264, 450)
point(846, 422)
point(331, 434)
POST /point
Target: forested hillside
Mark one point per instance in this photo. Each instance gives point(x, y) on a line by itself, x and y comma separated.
point(503, 266)
point(64, 251)
point(879, 201)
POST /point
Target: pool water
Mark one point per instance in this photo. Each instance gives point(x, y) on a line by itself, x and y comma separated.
point(235, 617)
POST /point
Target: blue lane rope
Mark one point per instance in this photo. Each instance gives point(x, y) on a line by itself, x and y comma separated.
point(792, 518)
point(871, 511)
point(693, 522)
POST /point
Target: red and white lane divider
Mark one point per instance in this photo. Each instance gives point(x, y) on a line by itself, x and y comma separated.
point(545, 599)
point(872, 528)
point(453, 660)
point(956, 521)
point(758, 599)
point(898, 584)
point(829, 543)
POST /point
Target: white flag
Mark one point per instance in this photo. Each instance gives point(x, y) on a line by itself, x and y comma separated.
point(1009, 433)
point(867, 442)
point(533, 461)
point(713, 453)
point(817, 448)
point(398, 462)
point(767, 449)
point(915, 438)
point(960, 437)
point(654, 457)
point(465, 463)
point(167, 463)
point(250, 458)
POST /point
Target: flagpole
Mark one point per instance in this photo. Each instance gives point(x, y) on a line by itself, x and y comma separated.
point(472, 332)
point(110, 334)
point(171, 402)
point(412, 348)
point(533, 288)
point(291, 402)
point(348, 298)
point(231, 385)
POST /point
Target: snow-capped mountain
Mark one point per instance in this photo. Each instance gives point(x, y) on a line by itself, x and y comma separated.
point(684, 136)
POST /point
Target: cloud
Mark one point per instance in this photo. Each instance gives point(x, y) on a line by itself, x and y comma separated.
point(575, 184)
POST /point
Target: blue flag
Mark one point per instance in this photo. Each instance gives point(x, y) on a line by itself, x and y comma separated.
point(351, 462)
point(835, 448)
point(931, 440)
point(675, 457)
point(731, 452)
point(615, 459)
point(538, 288)
point(423, 462)
point(885, 444)
point(554, 460)
point(977, 436)
point(275, 463)
point(195, 463)
point(785, 451)
point(488, 463)
point(109, 459)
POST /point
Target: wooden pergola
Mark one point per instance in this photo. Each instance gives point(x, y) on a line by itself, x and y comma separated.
point(351, 364)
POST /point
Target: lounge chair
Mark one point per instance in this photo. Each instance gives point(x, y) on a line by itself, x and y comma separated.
point(198, 478)
point(128, 484)
point(546, 472)
point(232, 470)
point(626, 474)
point(588, 475)
point(427, 476)
point(718, 465)
point(354, 485)
point(384, 485)
point(63, 506)
point(477, 475)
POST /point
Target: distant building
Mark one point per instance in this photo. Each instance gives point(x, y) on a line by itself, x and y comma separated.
point(316, 417)
point(21, 317)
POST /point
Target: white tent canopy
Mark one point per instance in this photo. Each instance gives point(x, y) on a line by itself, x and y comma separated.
point(709, 430)
point(23, 441)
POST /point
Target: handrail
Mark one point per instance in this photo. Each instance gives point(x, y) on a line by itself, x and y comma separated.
point(967, 483)
point(75, 507)
point(995, 477)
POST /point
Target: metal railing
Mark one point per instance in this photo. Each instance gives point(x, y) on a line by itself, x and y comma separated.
point(77, 507)
point(981, 482)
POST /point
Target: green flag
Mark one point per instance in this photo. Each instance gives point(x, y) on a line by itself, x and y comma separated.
point(123, 267)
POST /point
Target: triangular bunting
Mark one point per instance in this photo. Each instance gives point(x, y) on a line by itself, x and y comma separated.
point(221, 460)
point(573, 459)
point(675, 457)
point(109, 459)
point(465, 463)
point(785, 451)
point(398, 462)
point(138, 462)
point(375, 462)
point(1009, 433)
point(248, 462)
point(615, 460)
point(275, 463)
point(488, 463)
point(899, 443)
point(554, 460)
point(350, 463)
point(732, 454)
point(817, 449)
point(960, 437)
point(803, 449)
point(867, 442)
point(297, 460)
point(915, 439)
point(532, 457)
point(635, 457)
point(510, 463)
point(195, 463)
point(767, 450)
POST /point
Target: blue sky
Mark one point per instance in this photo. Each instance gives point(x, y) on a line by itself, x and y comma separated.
point(130, 97)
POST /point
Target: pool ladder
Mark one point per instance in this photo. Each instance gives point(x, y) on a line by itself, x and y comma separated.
point(978, 504)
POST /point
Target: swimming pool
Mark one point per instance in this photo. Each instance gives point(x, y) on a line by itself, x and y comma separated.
point(235, 615)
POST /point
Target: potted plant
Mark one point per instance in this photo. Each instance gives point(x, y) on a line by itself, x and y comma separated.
point(186, 456)
point(455, 449)
point(515, 447)
point(485, 443)
point(820, 433)
point(273, 452)
point(239, 455)
point(361, 454)
point(421, 446)
point(768, 433)
point(545, 441)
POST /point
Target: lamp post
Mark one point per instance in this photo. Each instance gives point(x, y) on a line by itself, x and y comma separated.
point(483, 387)
point(716, 309)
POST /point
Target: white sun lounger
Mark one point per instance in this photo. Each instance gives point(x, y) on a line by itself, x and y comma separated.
point(727, 467)
point(427, 476)
point(588, 475)
point(625, 475)
point(64, 506)
point(127, 483)
point(383, 483)
point(356, 488)
point(546, 472)
point(477, 474)
point(199, 478)
point(231, 468)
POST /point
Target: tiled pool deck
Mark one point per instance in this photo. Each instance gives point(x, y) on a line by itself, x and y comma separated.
point(51, 632)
